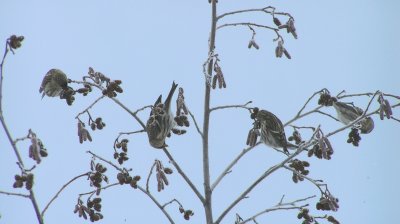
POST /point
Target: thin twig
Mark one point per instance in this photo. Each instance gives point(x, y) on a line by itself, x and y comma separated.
point(318, 185)
point(130, 132)
point(172, 201)
point(130, 112)
point(102, 188)
point(62, 188)
point(148, 177)
point(195, 123)
point(229, 167)
point(247, 24)
point(107, 161)
point(326, 114)
point(233, 106)
point(180, 171)
point(158, 204)
point(14, 194)
point(255, 10)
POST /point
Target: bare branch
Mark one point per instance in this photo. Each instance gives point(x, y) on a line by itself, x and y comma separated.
point(14, 194)
point(62, 188)
point(130, 132)
point(102, 188)
point(180, 171)
point(229, 167)
point(265, 10)
point(233, 106)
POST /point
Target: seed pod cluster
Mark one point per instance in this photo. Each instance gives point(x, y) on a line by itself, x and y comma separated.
point(354, 137)
point(186, 213)
point(15, 41)
point(385, 108)
point(304, 214)
point(83, 133)
point(113, 88)
point(92, 208)
point(296, 137)
point(180, 103)
point(161, 173)
point(332, 220)
point(97, 175)
point(177, 132)
point(328, 203)
point(36, 149)
point(300, 167)
point(218, 76)
point(277, 21)
point(121, 157)
point(280, 50)
point(125, 178)
point(97, 124)
point(123, 144)
point(24, 179)
point(326, 99)
point(252, 43)
point(84, 90)
point(322, 150)
point(68, 95)
point(289, 26)
point(98, 77)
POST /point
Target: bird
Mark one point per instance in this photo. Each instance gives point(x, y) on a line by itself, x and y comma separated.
point(347, 113)
point(272, 131)
point(54, 83)
point(161, 120)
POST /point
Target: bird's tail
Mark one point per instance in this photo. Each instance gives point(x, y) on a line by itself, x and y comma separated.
point(169, 97)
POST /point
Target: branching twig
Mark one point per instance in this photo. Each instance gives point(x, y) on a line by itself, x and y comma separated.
point(315, 182)
point(90, 106)
point(265, 10)
point(229, 167)
point(247, 24)
point(148, 177)
point(14, 194)
point(62, 188)
point(232, 106)
point(326, 114)
point(104, 160)
point(172, 201)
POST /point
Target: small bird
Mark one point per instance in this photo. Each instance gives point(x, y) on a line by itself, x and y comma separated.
point(272, 131)
point(54, 83)
point(161, 120)
point(347, 113)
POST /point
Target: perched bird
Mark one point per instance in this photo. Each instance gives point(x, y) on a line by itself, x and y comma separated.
point(54, 83)
point(272, 131)
point(161, 120)
point(348, 113)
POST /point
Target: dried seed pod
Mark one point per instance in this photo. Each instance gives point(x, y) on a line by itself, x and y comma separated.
point(277, 22)
point(286, 53)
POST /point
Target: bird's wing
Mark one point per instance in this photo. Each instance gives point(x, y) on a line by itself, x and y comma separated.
point(167, 102)
point(273, 123)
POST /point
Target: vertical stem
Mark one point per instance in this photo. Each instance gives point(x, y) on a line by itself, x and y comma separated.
point(206, 168)
point(10, 139)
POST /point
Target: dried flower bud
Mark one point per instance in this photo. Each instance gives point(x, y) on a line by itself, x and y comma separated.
point(277, 22)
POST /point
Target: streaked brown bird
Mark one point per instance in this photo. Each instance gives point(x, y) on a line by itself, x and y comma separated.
point(54, 83)
point(272, 131)
point(161, 120)
point(347, 113)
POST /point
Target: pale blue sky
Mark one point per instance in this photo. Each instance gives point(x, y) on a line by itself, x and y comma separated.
point(351, 45)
